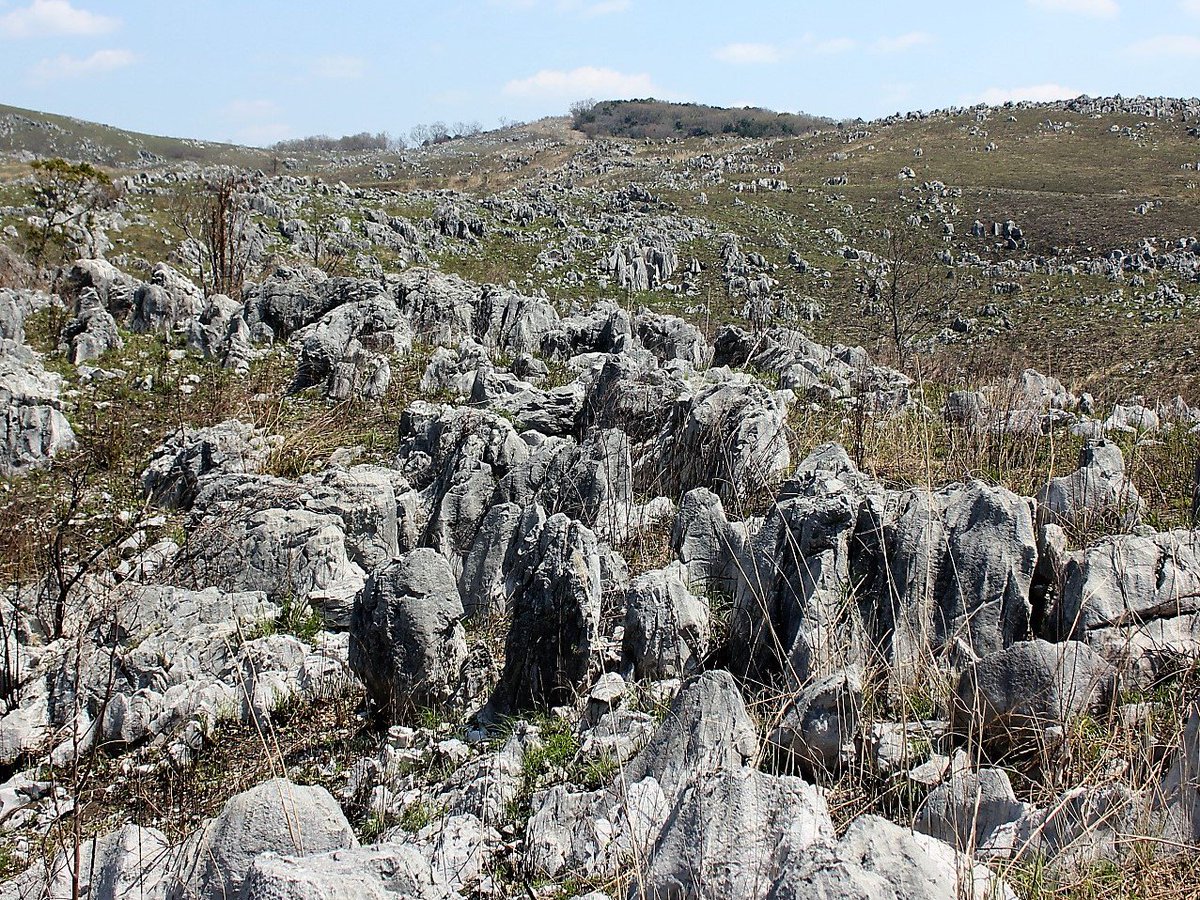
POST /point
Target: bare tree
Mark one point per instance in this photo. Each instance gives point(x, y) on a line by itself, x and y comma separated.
point(909, 288)
point(216, 218)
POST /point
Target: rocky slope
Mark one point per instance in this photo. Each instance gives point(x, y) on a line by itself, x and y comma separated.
point(397, 583)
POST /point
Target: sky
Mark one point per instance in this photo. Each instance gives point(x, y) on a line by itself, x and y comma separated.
point(259, 71)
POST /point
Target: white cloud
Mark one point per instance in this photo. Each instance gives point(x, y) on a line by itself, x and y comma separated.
point(65, 67)
point(255, 122)
point(1190, 7)
point(262, 135)
point(1167, 46)
point(1100, 9)
point(53, 18)
point(595, 8)
point(902, 42)
point(832, 45)
point(339, 67)
point(586, 81)
point(1036, 93)
point(748, 54)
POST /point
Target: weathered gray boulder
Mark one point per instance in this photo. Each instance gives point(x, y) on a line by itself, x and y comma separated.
point(633, 393)
point(128, 862)
point(168, 300)
point(293, 297)
point(406, 638)
point(1081, 826)
point(666, 626)
point(968, 807)
point(345, 350)
point(378, 872)
point(670, 337)
point(113, 286)
point(591, 482)
point(1021, 699)
point(1180, 789)
point(707, 542)
point(275, 816)
point(723, 834)
point(512, 323)
point(818, 734)
point(483, 584)
point(252, 533)
point(1133, 599)
point(455, 457)
point(93, 332)
point(707, 729)
point(726, 433)
point(878, 859)
point(366, 499)
point(172, 477)
point(948, 573)
point(15, 306)
point(555, 602)
point(33, 428)
point(1097, 494)
point(790, 612)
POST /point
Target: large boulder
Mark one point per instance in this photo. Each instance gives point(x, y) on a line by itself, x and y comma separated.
point(483, 584)
point(722, 836)
point(707, 542)
point(879, 860)
point(707, 729)
point(725, 432)
point(406, 638)
point(130, 862)
point(666, 626)
point(33, 428)
point(273, 817)
point(93, 332)
point(1023, 698)
point(968, 807)
point(346, 339)
point(818, 733)
point(455, 458)
point(380, 872)
point(948, 573)
point(172, 477)
point(252, 533)
point(555, 602)
point(1133, 599)
point(1097, 494)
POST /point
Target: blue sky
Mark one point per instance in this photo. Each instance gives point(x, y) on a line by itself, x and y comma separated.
point(262, 70)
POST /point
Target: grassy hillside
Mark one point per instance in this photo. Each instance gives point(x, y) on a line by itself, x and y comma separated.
point(24, 131)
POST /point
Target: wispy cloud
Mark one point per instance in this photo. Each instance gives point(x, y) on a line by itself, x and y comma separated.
point(592, 8)
point(902, 42)
point(1036, 93)
point(255, 122)
point(748, 54)
point(1175, 46)
point(65, 67)
point(54, 18)
point(585, 81)
point(339, 67)
point(830, 46)
point(1100, 9)
point(1190, 7)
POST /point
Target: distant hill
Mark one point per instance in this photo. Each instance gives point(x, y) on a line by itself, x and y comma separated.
point(25, 132)
point(658, 119)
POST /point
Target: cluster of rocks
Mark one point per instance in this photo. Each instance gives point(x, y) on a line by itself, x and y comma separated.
point(33, 427)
